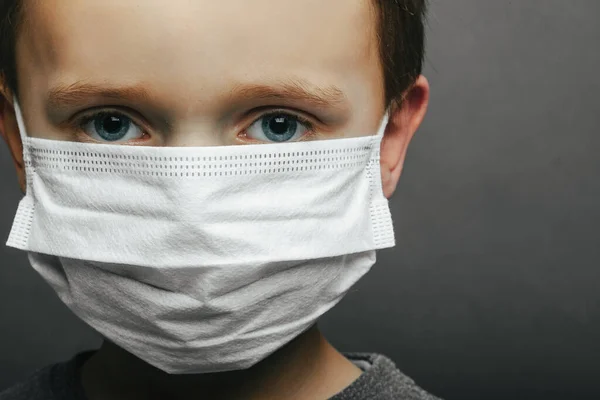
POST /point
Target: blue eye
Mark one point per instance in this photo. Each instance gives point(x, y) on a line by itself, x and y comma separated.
point(111, 127)
point(278, 127)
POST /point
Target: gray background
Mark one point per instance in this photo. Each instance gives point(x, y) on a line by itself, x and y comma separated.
point(492, 291)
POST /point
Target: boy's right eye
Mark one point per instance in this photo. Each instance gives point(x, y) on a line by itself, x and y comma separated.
point(111, 126)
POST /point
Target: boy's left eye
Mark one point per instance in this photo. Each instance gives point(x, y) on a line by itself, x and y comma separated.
point(278, 127)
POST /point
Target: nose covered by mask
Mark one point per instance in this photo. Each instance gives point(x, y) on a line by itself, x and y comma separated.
point(202, 259)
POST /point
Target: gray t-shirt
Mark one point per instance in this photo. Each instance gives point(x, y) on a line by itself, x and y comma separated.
point(381, 380)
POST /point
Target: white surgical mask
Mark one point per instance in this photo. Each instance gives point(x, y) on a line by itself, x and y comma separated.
point(202, 259)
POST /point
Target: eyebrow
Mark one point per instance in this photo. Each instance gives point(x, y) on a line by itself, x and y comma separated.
point(292, 89)
point(68, 95)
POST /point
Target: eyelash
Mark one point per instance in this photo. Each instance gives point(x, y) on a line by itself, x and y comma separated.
point(86, 119)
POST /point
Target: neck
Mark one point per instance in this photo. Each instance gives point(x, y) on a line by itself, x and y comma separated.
point(306, 368)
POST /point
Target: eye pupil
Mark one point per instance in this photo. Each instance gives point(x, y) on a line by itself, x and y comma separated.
point(279, 128)
point(112, 127)
point(279, 125)
point(112, 124)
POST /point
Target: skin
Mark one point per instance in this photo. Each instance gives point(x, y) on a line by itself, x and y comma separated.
point(202, 73)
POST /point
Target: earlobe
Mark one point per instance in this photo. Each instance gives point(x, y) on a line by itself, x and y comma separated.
point(404, 121)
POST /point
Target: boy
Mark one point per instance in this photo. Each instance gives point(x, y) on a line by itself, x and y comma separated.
point(204, 179)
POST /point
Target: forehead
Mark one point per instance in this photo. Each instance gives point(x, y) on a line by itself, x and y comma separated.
point(202, 44)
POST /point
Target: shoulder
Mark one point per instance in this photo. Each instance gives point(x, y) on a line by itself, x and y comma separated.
point(381, 380)
point(57, 381)
point(35, 387)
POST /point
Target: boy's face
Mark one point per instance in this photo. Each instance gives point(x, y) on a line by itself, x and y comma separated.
point(205, 73)
point(200, 72)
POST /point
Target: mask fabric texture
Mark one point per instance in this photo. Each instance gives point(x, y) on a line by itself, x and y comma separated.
point(202, 259)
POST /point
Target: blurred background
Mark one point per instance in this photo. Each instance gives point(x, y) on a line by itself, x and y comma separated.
point(493, 289)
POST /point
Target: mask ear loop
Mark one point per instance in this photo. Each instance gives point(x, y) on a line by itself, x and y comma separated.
point(20, 121)
point(25, 144)
point(384, 123)
point(378, 137)
point(374, 163)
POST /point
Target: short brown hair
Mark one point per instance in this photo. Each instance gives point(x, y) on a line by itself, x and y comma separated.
point(401, 36)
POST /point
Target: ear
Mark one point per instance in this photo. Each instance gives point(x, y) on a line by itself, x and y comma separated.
point(404, 121)
point(9, 130)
